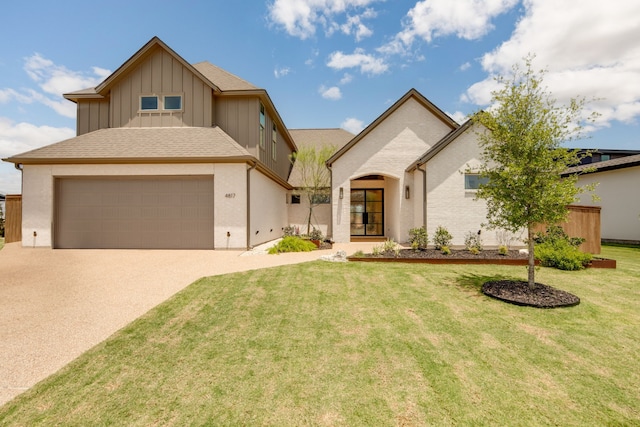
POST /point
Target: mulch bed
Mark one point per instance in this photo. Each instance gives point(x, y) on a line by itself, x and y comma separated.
point(520, 293)
point(455, 254)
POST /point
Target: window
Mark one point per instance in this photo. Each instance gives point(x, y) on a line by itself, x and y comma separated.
point(173, 102)
point(605, 157)
point(274, 143)
point(473, 181)
point(262, 125)
point(295, 199)
point(148, 102)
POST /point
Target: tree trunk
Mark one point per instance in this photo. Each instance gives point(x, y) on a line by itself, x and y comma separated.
point(532, 260)
point(309, 218)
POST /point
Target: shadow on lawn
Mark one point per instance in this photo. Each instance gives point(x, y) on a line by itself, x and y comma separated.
point(473, 282)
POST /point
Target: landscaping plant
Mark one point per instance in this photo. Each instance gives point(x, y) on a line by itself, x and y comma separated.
point(292, 244)
point(418, 238)
point(442, 237)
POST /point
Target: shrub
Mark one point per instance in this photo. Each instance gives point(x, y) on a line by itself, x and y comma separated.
point(503, 250)
point(442, 237)
point(445, 250)
point(420, 237)
point(389, 246)
point(554, 234)
point(504, 238)
point(561, 254)
point(316, 234)
point(292, 244)
point(289, 230)
point(473, 241)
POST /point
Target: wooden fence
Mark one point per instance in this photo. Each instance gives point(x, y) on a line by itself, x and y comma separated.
point(13, 218)
point(583, 221)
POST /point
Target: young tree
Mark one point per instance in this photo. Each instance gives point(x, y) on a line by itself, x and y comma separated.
point(523, 155)
point(314, 176)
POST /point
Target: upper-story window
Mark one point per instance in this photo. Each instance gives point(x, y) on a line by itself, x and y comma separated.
point(262, 125)
point(148, 102)
point(274, 142)
point(173, 102)
point(164, 103)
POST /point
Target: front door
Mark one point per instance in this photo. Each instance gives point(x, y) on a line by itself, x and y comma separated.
point(367, 212)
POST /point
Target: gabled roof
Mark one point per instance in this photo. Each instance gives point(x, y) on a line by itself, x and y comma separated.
point(605, 165)
point(317, 138)
point(140, 145)
point(411, 94)
point(222, 78)
point(440, 145)
point(103, 88)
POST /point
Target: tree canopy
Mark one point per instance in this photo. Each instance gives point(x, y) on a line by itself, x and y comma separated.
point(523, 155)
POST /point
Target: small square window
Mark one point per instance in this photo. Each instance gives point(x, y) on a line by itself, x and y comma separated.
point(605, 157)
point(173, 102)
point(295, 199)
point(148, 102)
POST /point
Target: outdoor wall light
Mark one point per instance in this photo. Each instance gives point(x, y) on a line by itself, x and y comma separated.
point(341, 193)
point(406, 192)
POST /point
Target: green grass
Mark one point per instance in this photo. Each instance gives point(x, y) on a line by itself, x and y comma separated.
point(362, 344)
point(1, 242)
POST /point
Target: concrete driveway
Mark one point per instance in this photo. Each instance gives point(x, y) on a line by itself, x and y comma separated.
point(56, 304)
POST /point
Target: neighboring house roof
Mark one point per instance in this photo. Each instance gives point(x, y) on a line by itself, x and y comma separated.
point(317, 138)
point(440, 145)
point(222, 78)
point(139, 145)
point(606, 165)
point(412, 93)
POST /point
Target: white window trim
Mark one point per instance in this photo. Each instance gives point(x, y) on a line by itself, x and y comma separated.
point(164, 97)
point(161, 102)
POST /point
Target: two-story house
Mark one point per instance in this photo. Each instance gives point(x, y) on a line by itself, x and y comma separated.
point(167, 155)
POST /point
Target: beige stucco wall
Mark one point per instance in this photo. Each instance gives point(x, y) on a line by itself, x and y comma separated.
point(268, 209)
point(619, 194)
point(229, 212)
point(387, 150)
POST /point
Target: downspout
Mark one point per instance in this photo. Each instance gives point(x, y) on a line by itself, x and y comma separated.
point(249, 204)
point(331, 193)
point(424, 196)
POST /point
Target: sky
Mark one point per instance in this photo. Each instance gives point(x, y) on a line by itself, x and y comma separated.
point(324, 63)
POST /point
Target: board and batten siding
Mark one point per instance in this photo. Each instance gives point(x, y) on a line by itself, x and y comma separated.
point(161, 74)
point(92, 115)
point(239, 117)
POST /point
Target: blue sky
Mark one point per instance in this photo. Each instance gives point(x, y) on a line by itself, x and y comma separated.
point(325, 63)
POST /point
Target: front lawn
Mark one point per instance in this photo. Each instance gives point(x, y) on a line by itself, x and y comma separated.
point(362, 344)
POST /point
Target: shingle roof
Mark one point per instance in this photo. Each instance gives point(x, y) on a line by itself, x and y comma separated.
point(222, 78)
point(317, 138)
point(619, 163)
point(139, 144)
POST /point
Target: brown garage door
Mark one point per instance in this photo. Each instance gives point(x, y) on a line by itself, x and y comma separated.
point(134, 213)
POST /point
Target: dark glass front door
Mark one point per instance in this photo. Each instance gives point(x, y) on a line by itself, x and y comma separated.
point(367, 212)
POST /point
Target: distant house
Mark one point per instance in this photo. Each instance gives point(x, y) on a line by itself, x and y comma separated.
point(619, 192)
point(603, 154)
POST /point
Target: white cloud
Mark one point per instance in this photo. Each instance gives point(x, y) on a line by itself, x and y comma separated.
point(57, 79)
point(346, 79)
point(16, 138)
point(355, 26)
point(591, 52)
point(300, 18)
point(332, 93)
point(466, 19)
point(353, 125)
point(281, 72)
point(465, 66)
point(367, 64)
point(53, 81)
point(458, 116)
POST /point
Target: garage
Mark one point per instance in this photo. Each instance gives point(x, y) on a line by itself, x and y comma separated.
point(172, 212)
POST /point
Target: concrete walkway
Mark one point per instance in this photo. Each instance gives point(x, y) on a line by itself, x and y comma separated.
point(57, 304)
